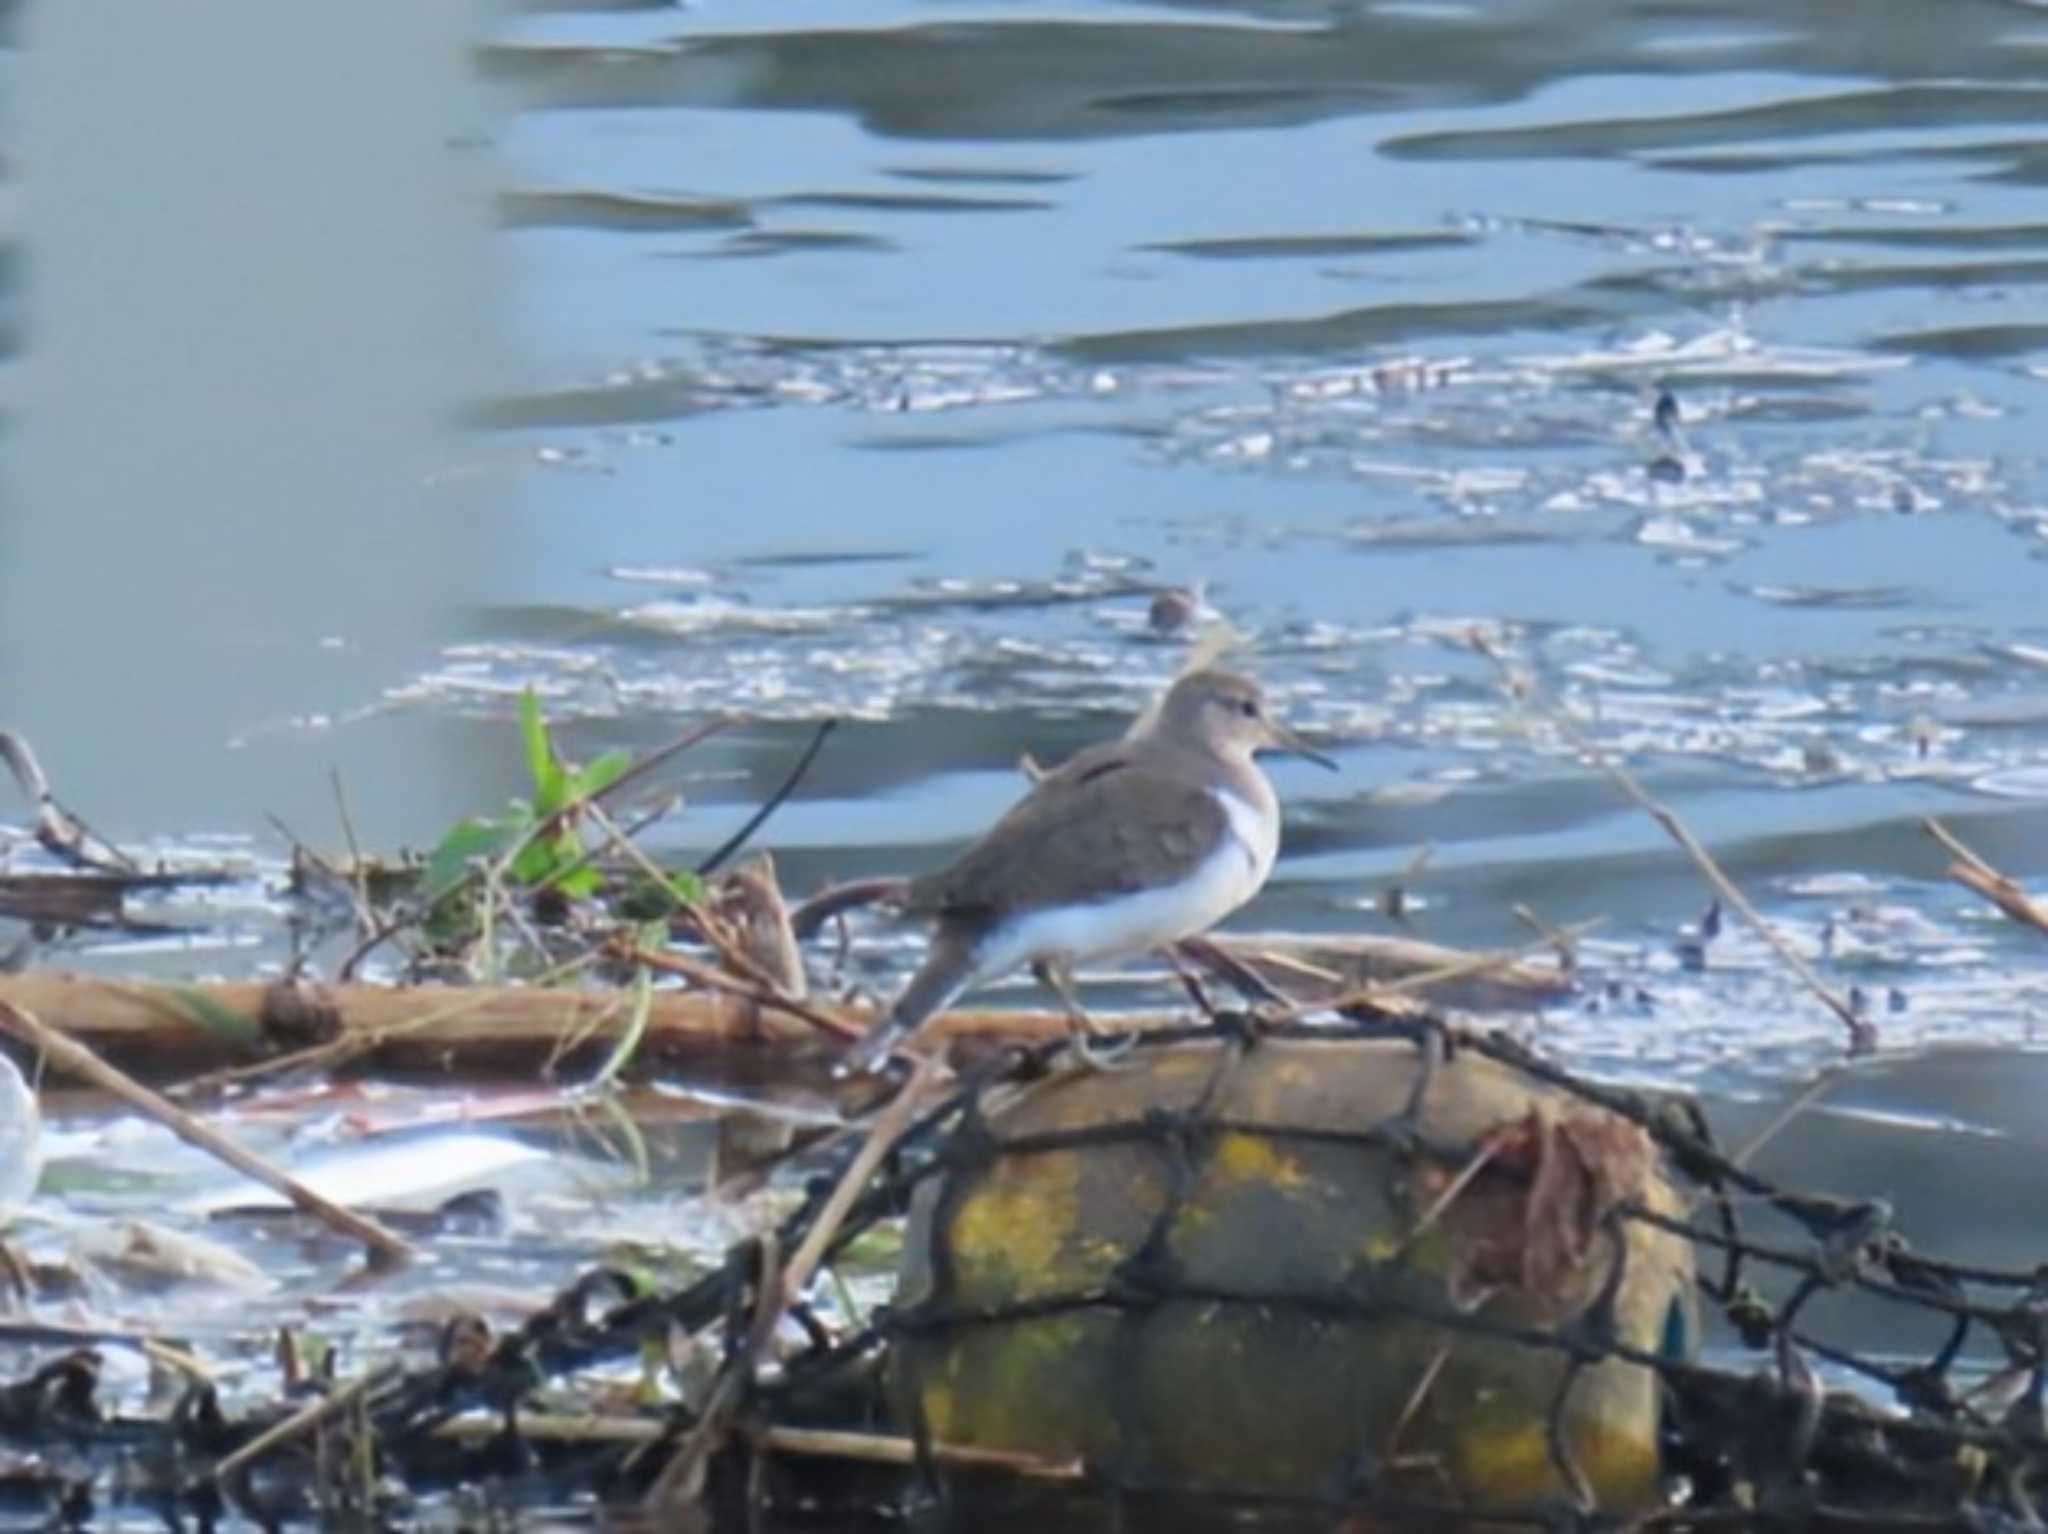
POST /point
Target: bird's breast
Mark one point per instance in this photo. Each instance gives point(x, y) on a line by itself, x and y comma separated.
point(1255, 828)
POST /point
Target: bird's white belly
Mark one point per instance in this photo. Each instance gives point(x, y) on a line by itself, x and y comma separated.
point(1131, 923)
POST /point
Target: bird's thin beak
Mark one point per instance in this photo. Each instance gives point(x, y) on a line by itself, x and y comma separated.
point(1284, 739)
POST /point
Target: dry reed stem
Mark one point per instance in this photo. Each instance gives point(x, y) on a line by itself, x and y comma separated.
point(1862, 1036)
point(889, 1127)
point(764, 995)
point(303, 1421)
point(1380, 992)
point(68, 1055)
point(672, 1495)
point(678, 1480)
point(809, 1442)
point(883, 1449)
point(1973, 873)
point(706, 921)
point(1815, 1090)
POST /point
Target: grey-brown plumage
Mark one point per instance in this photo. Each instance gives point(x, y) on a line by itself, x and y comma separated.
point(1113, 818)
point(1126, 846)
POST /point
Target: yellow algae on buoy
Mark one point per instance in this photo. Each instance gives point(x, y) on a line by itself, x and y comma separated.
point(1244, 1272)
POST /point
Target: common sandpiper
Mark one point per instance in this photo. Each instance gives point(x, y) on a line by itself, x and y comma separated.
point(1127, 846)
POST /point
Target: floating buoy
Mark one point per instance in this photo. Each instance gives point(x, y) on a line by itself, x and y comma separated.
point(1320, 1270)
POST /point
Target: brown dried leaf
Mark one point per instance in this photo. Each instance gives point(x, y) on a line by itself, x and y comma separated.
point(1574, 1168)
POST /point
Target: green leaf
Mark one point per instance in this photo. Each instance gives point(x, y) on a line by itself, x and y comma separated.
point(550, 783)
point(535, 862)
point(588, 782)
point(636, 1029)
point(581, 883)
point(468, 840)
point(686, 887)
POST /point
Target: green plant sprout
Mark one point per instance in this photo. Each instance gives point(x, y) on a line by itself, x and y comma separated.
point(537, 844)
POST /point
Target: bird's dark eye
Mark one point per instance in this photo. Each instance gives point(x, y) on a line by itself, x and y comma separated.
point(1248, 708)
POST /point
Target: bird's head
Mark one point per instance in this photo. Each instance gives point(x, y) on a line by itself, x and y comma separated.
point(1226, 713)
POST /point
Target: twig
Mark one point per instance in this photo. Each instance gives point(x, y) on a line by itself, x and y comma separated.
point(1422, 980)
point(1416, 1397)
point(1489, 1147)
point(889, 1125)
point(1973, 873)
point(679, 1477)
point(706, 921)
point(357, 868)
point(882, 1449)
point(303, 1421)
point(762, 995)
point(60, 832)
point(618, 837)
point(1230, 968)
point(1286, 963)
point(810, 1442)
point(573, 1038)
point(716, 931)
point(1862, 1035)
point(1815, 1090)
point(73, 1058)
point(353, 882)
point(751, 901)
point(739, 838)
point(1567, 955)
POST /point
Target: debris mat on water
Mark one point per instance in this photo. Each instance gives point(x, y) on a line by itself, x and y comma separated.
point(799, 1425)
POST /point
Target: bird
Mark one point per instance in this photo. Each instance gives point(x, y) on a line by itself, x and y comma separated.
point(1129, 845)
point(1175, 607)
point(1669, 466)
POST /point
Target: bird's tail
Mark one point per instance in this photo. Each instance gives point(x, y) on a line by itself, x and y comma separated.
point(947, 971)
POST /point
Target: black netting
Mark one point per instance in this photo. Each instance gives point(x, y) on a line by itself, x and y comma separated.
point(1762, 1443)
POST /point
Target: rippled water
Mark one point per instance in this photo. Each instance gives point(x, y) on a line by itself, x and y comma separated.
point(878, 362)
point(1355, 313)
point(924, 342)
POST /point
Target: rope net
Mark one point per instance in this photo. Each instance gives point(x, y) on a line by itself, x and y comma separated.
point(1944, 1430)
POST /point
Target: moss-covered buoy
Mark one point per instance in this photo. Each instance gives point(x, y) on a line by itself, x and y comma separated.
point(1279, 1271)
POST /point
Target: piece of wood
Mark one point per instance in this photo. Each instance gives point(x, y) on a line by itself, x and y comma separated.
point(174, 1031)
point(170, 1032)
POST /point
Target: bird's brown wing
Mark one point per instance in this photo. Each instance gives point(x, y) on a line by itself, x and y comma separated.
point(1105, 823)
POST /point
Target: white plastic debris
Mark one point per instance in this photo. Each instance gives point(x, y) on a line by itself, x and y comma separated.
point(21, 1140)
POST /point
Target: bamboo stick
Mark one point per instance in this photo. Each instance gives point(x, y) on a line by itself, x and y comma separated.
point(171, 1031)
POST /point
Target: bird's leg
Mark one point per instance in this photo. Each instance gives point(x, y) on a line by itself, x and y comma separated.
point(1057, 976)
point(1190, 980)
